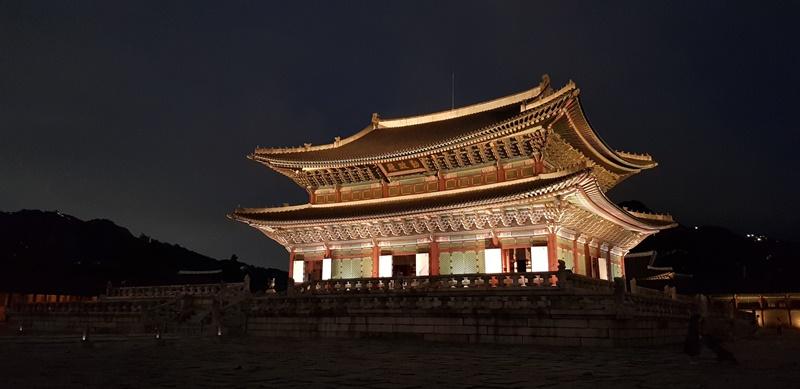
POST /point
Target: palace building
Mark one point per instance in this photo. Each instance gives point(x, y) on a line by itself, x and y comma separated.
point(515, 184)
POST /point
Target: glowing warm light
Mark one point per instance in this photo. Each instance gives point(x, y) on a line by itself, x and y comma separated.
point(539, 260)
point(326, 268)
point(385, 266)
point(601, 262)
point(422, 264)
point(493, 261)
point(298, 271)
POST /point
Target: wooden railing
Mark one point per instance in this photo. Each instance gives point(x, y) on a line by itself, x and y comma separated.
point(165, 291)
point(539, 280)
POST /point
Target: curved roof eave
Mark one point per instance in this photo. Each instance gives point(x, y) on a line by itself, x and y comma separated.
point(594, 199)
point(592, 142)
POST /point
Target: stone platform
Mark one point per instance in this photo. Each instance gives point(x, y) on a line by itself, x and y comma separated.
point(563, 310)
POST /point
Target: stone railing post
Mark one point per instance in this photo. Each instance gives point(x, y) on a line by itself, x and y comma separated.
point(563, 274)
point(619, 290)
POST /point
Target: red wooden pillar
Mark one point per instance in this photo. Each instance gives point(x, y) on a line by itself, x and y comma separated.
point(376, 258)
point(338, 193)
point(608, 264)
point(291, 263)
point(312, 198)
point(384, 189)
point(575, 263)
point(501, 172)
point(441, 181)
point(433, 259)
point(587, 260)
point(552, 254)
point(538, 166)
point(597, 251)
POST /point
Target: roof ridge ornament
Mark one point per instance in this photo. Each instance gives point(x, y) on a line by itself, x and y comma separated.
point(545, 82)
point(376, 119)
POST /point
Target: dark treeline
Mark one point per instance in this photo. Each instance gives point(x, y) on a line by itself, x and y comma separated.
point(50, 252)
point(722, 261)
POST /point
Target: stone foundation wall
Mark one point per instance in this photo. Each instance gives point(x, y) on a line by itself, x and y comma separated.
point(549, 319)
point(545, 316)
point(70, 323)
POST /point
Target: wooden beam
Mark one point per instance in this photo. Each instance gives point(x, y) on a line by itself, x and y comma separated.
point(507, 147)
point(447, 160)
point(493, 149)
point(467, 150)
point(435, 159)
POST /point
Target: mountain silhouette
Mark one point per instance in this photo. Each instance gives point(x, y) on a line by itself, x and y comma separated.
point(723, 261)
point(54, 253)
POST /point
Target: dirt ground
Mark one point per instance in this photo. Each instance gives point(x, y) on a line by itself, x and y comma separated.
point(765, 361)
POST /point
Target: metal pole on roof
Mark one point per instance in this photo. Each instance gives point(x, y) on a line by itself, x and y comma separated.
point(453, 91)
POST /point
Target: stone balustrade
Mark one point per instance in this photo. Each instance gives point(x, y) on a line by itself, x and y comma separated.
point(95, 307)
point(167, 291)
point(544, 308)
point(540, 280)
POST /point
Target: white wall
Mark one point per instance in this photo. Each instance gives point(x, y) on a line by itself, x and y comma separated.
point(422, 264)
point(385, 266)
point(298, 271)
point(539, 260)
point(493, 261)
point(601, 262)
point(326, 268)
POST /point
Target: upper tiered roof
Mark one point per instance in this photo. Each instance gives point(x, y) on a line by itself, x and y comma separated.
point(467, 132)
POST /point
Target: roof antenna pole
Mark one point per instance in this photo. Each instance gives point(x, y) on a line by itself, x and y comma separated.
point(452, 90)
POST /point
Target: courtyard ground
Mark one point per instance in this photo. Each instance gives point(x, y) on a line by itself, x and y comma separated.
point(765, 361)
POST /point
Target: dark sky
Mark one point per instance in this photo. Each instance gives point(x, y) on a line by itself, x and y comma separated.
point(142, 112)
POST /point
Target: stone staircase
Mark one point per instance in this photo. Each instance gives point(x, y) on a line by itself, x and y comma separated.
point(188, 315)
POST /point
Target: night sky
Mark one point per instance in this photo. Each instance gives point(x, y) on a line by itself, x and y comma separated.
point(142, 112)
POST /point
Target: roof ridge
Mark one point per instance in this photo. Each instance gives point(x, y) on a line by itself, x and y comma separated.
point(403, 153)
point(636, 156)
point(532, 93)
point(377, 123)
point(650, 215)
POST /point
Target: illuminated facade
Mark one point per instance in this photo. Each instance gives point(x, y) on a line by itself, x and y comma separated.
point(510, 185)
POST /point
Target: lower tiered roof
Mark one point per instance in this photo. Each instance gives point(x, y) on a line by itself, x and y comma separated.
point(546, 185)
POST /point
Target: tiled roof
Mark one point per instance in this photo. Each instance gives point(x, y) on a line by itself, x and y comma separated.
point(403, 138)
point(382, 141)
point(413, 204)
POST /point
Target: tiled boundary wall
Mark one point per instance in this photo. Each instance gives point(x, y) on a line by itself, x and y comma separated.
point(549, 317)
point(767, 309)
